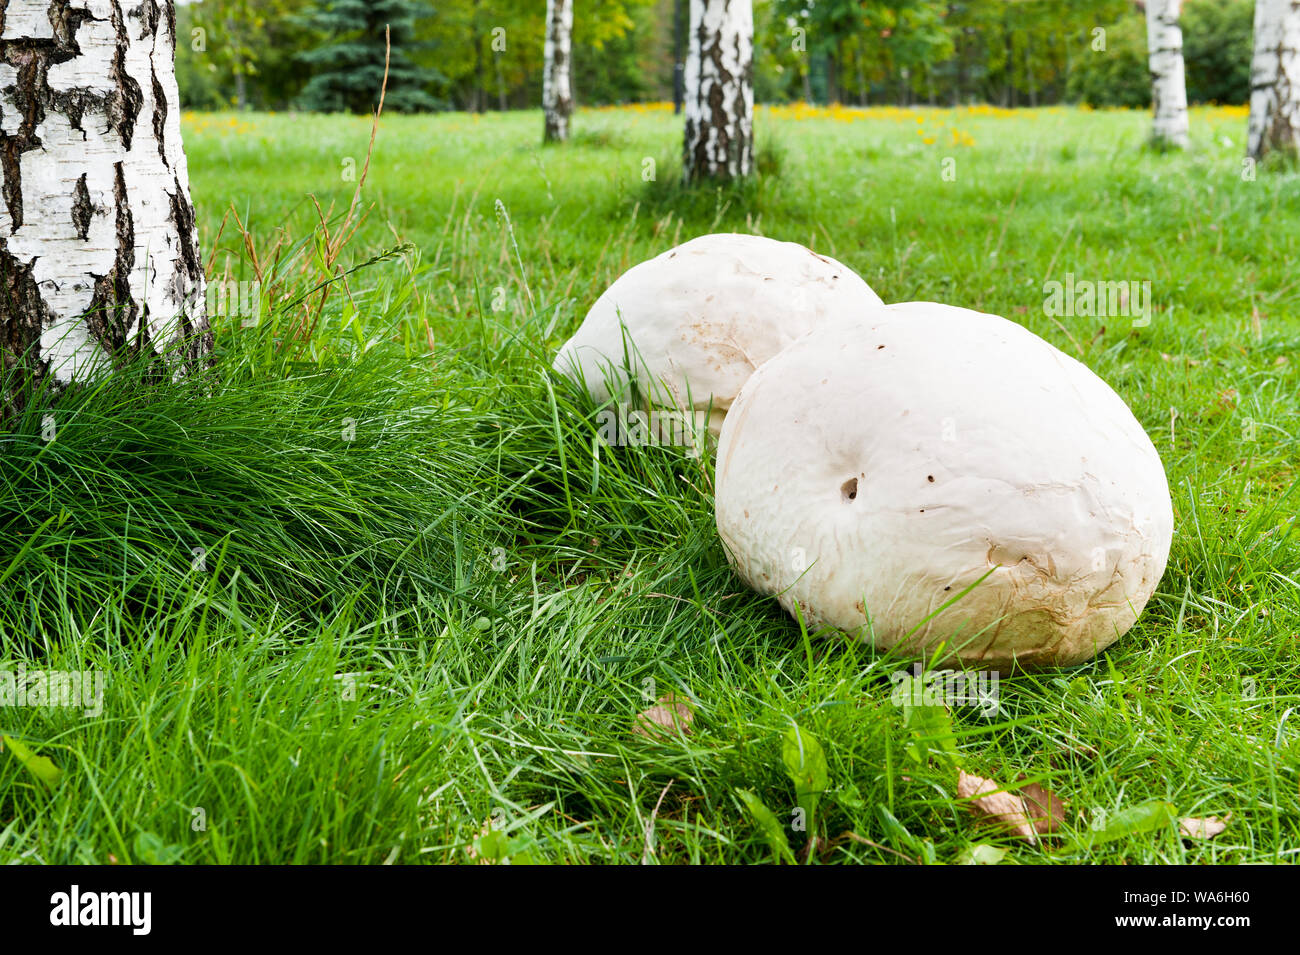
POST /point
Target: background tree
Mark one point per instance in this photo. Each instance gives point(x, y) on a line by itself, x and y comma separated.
point(622, 50)
point(1114, 68)
point(1275, 79)
point(719, 102)
point(99, 255)
point(1217, 49)
point(557, 95)
point(350, 62)
point(242, 52)
point(489, 54)
point(1168, 78)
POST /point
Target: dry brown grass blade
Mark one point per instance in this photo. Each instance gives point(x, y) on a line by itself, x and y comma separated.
point(334, 244)
point(216, 242)
point(374, 133)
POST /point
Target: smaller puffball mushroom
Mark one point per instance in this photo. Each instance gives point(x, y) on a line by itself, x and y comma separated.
point(684, 330)
point(932, 475)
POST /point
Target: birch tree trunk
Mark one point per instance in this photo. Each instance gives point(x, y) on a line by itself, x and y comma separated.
point(720, 91)
point(557, 96)
point(1275, 79)
point(99, 254)
point(1168, 83)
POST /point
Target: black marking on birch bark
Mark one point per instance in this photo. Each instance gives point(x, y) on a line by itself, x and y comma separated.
point(124, 105)
point(744, 137)
point(188, 278)
point(160, 118)
point(150, 16)
point(31, 57)
point(81, 209)
point(23, 314)
point(112, 310)
point(65, 22)
point(28, 85)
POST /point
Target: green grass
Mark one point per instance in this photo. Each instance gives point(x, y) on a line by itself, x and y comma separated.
point(420, 606)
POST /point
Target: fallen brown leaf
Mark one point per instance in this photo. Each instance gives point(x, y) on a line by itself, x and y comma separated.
point(1193, 827)
point(664, 718)
point(1004, 808)
point(1045, 808)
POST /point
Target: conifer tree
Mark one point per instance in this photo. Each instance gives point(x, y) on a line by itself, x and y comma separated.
point(349, 65)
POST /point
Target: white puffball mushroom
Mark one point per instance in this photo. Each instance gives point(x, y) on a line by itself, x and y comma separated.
point(880, 468)
point(693, 323)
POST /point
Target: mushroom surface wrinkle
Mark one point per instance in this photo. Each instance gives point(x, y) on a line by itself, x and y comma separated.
point(932, 475)
point(689, 326)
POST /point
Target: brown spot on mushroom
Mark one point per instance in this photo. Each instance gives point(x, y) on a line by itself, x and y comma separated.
point(878, 347)
point(930, 478)
point(849, 490)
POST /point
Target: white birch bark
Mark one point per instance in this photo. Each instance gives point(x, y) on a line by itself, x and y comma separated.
point(98, 249)
point(720, 90)
point(1168, 82)
point(557, 95)
point(1275, 79)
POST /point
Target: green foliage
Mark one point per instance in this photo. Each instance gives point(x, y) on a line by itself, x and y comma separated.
point(490, 51)
point(349, 66)
point(894, 36)
point(769, 826)
point(41, 767)
point(620, 67)
point(805, 763)
point(1117, 75)
point(487, 54)
point(928, 725)
point(1148, 817)
point(1218, 43)
point(1217, 48)
point(151, 850)
point(241, 53)
point(905, 51)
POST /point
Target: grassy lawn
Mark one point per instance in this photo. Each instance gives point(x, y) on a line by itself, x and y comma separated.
point(370, 593)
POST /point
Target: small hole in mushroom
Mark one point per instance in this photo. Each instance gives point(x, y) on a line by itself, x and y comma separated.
point(849, 489)
point(878, 347)
point(930, 478)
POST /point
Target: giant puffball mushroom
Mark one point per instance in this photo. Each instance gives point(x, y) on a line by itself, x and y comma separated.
point(930, 475)
point(684, 330)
